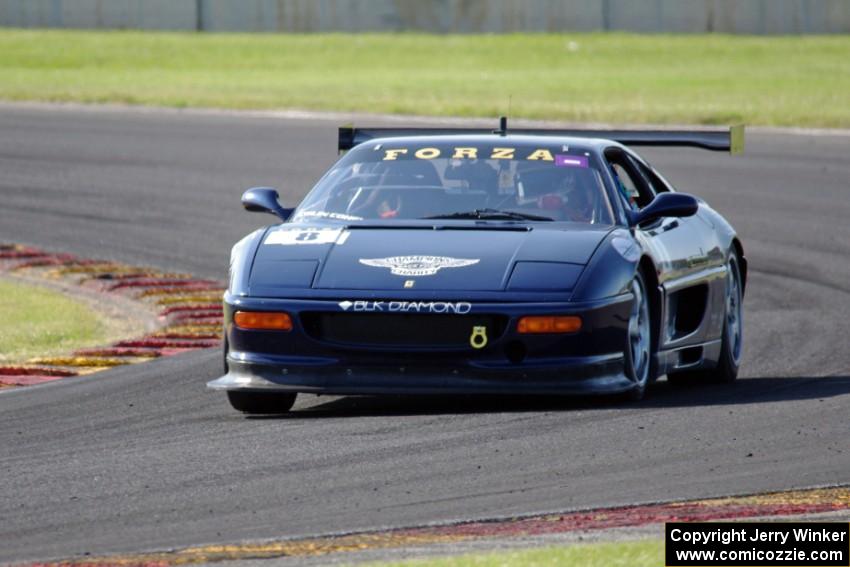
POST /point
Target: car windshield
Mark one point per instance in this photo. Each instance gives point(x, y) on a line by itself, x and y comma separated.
point(463, 180)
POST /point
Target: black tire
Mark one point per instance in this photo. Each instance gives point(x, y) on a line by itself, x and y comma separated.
point(224, 350)
point(638, 352)
point(262, 403)
point(731, 344)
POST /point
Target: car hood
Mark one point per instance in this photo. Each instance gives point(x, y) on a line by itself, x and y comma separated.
point(446, 258)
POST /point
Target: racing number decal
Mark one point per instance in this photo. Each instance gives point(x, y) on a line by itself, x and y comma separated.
point(305, 236)
point(478, 339)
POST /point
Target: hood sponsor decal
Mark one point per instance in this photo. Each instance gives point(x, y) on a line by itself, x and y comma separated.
point(294, 236)
point(456, 308)
point(417, 265)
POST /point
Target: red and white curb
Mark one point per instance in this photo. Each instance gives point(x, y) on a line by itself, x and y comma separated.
point(188, 308)
point(787, 504)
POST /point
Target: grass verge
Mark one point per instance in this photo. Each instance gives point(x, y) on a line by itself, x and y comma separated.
point(648, 553)
point(708, 79)
point(40, 322)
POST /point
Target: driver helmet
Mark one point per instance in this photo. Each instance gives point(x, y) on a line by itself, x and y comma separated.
point(559, 189)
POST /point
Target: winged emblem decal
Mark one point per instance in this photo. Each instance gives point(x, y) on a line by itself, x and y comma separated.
point(417, 265)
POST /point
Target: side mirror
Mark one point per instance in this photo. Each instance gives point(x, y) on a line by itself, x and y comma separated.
point(264, 200)
point(666, 205)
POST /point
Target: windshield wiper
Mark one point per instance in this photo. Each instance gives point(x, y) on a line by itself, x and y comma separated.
point(490, 214)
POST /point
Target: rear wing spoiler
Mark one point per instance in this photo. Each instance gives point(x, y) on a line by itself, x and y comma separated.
point(715, 139)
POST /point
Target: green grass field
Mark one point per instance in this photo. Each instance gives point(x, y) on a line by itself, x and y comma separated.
point(707, 79)
point(609, 554)
point(35, 321)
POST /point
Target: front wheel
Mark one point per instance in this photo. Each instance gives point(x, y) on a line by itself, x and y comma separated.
point(638, 351)
point(262, 403)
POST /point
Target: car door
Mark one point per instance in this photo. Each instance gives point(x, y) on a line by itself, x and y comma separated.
point(707, 244)
point(673, 243)
point(693, 300)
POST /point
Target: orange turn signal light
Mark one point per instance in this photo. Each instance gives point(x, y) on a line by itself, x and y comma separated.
point(549, 324)
point(263, 320)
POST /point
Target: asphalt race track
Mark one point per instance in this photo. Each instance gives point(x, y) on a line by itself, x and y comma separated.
point(144, 457)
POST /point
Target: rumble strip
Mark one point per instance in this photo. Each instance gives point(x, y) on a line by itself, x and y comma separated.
point(777, 504)
point(188, 311)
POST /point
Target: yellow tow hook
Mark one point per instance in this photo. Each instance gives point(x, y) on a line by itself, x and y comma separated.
point(478, 339)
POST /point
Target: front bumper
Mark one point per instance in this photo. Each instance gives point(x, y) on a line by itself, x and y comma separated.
point(580, 375)
point(587, 362)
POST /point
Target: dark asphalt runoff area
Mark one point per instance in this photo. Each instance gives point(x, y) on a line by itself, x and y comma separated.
point(145, 457)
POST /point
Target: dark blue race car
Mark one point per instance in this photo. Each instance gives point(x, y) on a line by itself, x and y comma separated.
point(477, 261)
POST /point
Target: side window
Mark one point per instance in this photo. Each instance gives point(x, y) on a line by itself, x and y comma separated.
point(628, 187)
point(634, 189)
point(654, 182)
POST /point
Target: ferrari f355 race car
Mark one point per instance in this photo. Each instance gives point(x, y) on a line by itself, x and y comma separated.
point(477, 261)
